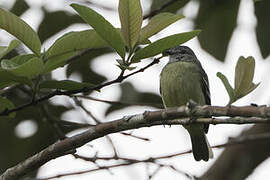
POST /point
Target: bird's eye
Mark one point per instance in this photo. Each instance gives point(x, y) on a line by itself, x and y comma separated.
point(182, 57)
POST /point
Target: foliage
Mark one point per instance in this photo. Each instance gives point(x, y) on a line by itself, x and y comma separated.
point(31, 72)
point(27, 76)
point(243, 85)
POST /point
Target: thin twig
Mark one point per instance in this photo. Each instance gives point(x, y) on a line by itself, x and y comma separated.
point(119, 79)
point(118, 102)
point(89, 113)
point(135, 136)
point(129, 161)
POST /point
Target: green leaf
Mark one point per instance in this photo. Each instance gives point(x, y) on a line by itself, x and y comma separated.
point(160, 45)
point(6, 104)
point(64, 85)
point(6, 49)
point(57, 61)
point(104, 28)
point(23, 66)
point(130, 13)
point(20, 29)
point(157, 23)
point(147, 41)
point(69, 44)
point(74, 41)
point(244, 73)
point(228, 87)
point(7, 79)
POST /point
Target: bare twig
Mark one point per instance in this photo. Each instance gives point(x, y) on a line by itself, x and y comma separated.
point(135, 136)
point(113, 146)
point(118, 102)
point(234, 141)
point(89, 113)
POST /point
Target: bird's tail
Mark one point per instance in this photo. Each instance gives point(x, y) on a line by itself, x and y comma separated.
point(200, 146)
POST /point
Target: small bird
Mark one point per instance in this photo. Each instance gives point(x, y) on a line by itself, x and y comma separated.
point(181, 80)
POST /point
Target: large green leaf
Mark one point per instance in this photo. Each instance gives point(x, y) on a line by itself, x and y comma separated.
point(6, 104)
point(20, 29)
point(6, 49)
point(243, 85)
point(64, 85)
point(24, 65)
point(218, 20)
point(262, 13)
point(244, 73)
point(74, 41)
point(69, 44)
point(130, 13)
point(160, 45)
point(157, 23)
point(104, 28)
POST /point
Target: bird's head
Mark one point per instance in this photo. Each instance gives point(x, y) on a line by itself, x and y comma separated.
point(180, 53)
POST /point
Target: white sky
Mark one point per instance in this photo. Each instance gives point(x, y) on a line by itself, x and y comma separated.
point(163, 140)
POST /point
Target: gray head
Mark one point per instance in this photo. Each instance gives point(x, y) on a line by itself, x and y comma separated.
point(181, 53)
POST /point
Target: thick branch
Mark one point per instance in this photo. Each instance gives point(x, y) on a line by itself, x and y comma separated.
point(146, 119)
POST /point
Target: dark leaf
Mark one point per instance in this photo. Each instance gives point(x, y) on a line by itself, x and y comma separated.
point(171, 7)
point(54, 22)
point(262, 13)
point(19, 7)
point(217, 19)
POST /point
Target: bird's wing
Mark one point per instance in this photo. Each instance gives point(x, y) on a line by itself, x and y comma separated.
point(205, 88)
point(206, 92)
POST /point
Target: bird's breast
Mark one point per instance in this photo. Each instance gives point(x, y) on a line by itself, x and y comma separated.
point(179, 83)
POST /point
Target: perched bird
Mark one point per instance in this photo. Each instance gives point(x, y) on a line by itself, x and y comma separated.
point(181, 80)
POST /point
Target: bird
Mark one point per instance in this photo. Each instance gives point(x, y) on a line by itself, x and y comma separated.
point(182, 80)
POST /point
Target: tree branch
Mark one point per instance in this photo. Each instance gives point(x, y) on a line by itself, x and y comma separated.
point(119, 79)
point(170, 116)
